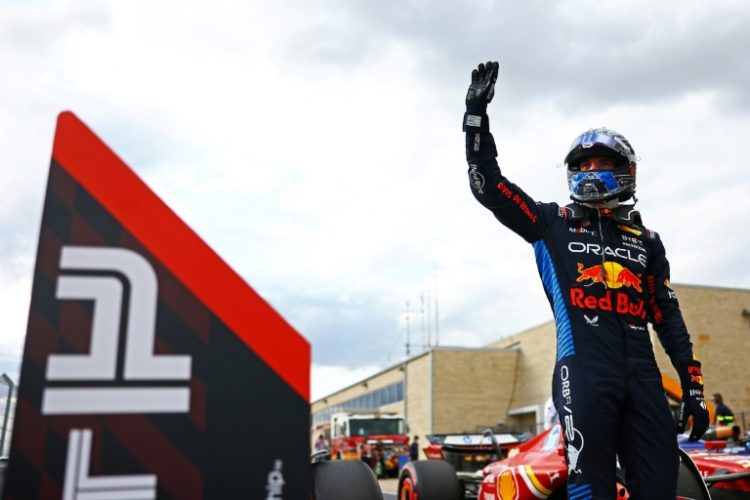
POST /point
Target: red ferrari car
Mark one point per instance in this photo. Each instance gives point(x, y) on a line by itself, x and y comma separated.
point(537, 469)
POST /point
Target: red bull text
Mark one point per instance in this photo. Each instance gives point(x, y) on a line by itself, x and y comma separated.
point(622, 303)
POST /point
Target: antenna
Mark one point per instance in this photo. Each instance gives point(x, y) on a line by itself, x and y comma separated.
point(437, 313)
point(425, 344)
point(407, 329)
point(429, 318)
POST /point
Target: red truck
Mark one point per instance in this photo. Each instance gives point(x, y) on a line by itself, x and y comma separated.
point(374, 436)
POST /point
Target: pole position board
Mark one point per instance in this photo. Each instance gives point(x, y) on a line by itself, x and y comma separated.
point(150, 368)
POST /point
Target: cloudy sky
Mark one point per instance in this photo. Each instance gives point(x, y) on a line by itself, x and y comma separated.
point(317, 146)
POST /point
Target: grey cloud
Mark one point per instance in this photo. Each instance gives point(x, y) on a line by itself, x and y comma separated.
point(360, 332)
point(581, 57)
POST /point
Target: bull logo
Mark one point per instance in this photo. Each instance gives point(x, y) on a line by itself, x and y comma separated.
point(613, 274)
point(696, 376)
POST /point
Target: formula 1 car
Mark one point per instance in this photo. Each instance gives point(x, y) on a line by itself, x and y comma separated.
point(537, 469)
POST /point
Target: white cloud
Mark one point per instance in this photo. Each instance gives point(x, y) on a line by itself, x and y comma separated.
point(330, 378)
point(15, 297)
point(317, 147)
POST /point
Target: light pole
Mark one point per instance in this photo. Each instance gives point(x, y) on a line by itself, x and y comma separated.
point(11, 386)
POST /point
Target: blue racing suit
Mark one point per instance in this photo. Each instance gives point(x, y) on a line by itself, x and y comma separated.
point(606, 277)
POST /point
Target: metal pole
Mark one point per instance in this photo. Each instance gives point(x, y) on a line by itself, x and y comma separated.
point(429, 318)
point(437, 313)
point(11, 385)
point(425, 343)
point(407, 329)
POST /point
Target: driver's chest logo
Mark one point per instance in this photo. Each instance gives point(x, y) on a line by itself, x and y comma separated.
point(611, 273)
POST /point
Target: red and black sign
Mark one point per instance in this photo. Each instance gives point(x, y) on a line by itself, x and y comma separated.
point(151, 369)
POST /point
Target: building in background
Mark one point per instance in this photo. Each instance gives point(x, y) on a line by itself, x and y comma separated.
point(505, 384)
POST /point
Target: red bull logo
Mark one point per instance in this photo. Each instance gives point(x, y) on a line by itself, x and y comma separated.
point(620, 303)
point(613, 274)
point(695, 374)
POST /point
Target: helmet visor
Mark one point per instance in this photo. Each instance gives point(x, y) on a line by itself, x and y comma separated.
point(596, 138)
point(593, 186)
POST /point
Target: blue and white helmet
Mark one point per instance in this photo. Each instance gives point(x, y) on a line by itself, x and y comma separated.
point(601, 185)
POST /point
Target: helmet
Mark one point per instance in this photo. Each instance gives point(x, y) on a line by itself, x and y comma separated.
point(601, 185)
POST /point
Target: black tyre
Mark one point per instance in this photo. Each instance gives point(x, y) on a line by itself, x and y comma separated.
point(689, 480)
point(343, 480)
point(690, 483)
point(429, 480)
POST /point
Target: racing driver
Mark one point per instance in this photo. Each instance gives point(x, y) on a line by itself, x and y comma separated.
point(606, 277)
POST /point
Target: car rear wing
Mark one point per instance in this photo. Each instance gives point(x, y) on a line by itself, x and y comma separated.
point(473, 440)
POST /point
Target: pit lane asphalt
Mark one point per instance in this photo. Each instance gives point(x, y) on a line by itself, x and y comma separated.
point(389, 487)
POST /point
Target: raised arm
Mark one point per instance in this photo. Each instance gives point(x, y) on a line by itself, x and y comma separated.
point(509, 203)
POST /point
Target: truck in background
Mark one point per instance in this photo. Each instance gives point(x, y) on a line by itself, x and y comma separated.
point(377, 437)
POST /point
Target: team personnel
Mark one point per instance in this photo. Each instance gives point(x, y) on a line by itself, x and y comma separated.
point(414, 449)
point(606, 277)
point(722, 415)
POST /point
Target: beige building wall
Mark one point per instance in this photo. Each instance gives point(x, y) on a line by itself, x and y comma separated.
point(472, 388)
point(418, 395)
point(537, 348)
point(720, 333)
point(457, 389)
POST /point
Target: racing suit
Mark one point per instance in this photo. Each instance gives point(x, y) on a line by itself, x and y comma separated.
point(605, 277)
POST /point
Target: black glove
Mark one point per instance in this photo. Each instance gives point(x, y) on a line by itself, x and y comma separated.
point(692, 403)
point(480, 93)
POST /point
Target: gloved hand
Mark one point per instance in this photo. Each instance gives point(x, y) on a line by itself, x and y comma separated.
point(480, 93)
point(692, 403)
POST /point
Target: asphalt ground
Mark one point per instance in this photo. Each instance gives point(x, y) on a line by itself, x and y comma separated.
point(389, 487)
